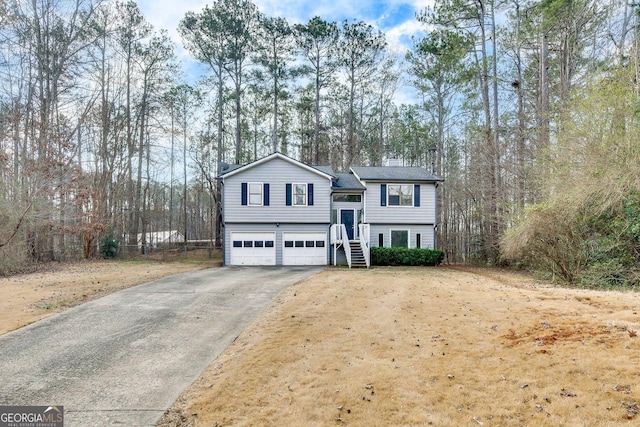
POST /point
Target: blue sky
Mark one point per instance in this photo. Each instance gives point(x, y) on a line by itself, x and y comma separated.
point(384, 14)
point(396, 18)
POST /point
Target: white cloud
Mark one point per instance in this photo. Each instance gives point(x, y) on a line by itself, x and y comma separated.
point(166, 14)
point(396, 18)
point(399, 37)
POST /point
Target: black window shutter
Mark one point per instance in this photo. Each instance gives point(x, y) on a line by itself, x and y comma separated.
point(310, 194)
point(383, 194)
point(288, 194)
point(416, 195)
point(265, 194)
point(244, 194)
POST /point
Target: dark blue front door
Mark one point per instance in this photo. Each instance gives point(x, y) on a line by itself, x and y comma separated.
point(346, 218)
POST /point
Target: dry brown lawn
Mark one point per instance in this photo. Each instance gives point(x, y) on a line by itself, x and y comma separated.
point(392, 346)
point(426, 346)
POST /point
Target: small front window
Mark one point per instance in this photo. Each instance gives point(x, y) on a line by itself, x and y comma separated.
point(299, 194)
point(400, 238)
point(400, 195)
point(351, 198)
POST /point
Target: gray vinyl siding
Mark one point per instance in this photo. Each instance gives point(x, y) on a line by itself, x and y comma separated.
point(427, 234)
point(424, 214)
point(277, 173)
point(271, 227)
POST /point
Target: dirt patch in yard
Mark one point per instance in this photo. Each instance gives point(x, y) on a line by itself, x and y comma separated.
point(54, 287)
point(426, 346)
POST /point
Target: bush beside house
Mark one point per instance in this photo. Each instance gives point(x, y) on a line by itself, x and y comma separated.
point(405, 256)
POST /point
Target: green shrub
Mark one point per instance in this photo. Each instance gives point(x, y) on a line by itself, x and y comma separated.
point(405, 256)
point(108, 244)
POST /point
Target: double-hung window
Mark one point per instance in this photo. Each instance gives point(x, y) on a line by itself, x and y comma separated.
point(299, 194)
point(400, 194)
point(255, 193)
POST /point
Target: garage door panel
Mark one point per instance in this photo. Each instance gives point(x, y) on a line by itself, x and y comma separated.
point(253, 248)
point(304, 249)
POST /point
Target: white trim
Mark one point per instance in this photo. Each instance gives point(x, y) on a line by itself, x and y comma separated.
point(364, 184)
point(293, 193)
point(334, 194)
point(355, 220)
point(408, 230)
point(365, 199)
point(261, 184)
point(401, 185)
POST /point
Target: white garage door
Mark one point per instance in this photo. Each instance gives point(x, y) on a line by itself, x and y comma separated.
point(304, 248)
point(253, 248)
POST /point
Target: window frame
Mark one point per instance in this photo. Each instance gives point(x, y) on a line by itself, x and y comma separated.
point(249, 193)
point(405, 230)
point(294, 195)
point(346, 197)
point(400, 195)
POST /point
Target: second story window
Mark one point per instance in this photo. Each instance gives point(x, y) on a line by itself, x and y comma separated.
point(400, 195)
point(255, 193)
point(299, 194)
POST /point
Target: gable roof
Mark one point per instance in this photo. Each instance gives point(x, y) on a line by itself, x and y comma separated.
point(394, 173)
point(235, 169)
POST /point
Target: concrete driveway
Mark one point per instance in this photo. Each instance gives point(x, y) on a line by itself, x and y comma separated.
point(124, 359)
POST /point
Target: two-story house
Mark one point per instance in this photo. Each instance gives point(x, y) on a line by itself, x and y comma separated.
point(279, 211)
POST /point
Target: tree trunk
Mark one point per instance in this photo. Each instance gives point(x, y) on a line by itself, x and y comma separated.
point(238, 80)
point(521, 175)
point(544, 103)
point(489, 223)
point(316, 130)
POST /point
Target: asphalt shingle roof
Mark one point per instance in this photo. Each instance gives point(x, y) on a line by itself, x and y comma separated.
point(347, 181)
point(226, 168)
point(394, 173)
point(343, 181)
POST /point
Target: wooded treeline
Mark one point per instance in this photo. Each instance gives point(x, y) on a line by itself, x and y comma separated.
point(101, 134)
